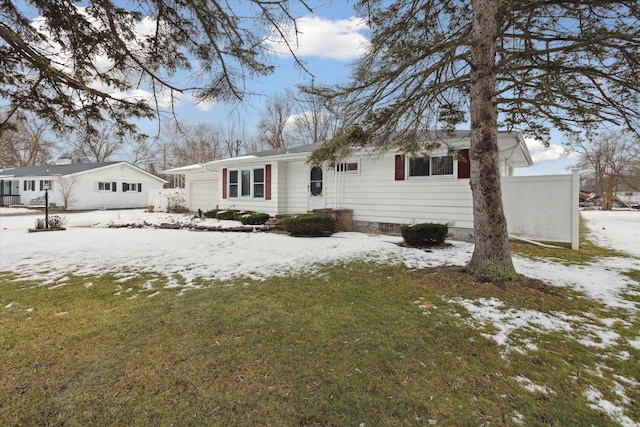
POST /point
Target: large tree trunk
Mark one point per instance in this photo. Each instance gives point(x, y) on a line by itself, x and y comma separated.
point(491, 260)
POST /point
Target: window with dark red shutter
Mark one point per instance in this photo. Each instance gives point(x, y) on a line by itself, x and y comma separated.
point(464, 165)
point(224, 183)
point(399, 167)
point(267, 182)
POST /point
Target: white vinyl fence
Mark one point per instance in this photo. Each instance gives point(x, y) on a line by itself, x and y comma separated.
point(543, 207)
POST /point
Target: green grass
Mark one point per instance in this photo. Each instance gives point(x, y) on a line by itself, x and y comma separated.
point(349, 345)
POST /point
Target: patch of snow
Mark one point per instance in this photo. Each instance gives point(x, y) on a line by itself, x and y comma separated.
point(619, 230)
point(531, 386)
point(191, 254)
point(518, 418)
point(601, 280)
point(506, 321)
point(613, 411)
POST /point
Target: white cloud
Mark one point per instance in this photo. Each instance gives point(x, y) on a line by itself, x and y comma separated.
point(541, 154)
point(341, 39)
point(200, 105)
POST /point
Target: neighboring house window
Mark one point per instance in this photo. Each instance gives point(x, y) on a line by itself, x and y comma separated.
point(247, 183)
point(258, 183)
point(30, 185)
point(351, 166)
point(131, 186)
point(233, 183)
point(431, 166)
point(107, 186)
point(46, 184)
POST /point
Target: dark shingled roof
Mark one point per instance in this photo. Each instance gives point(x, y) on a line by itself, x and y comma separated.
point(427, 135)
point(50, 170)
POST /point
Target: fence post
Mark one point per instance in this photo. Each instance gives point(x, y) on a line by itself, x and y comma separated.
point(575, 211)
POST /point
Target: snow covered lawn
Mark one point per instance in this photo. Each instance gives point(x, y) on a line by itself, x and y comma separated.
point(90, 247)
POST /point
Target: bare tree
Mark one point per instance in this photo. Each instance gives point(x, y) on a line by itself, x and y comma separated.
point(96, 144)
point(312, 121)
point(65, 185)
point(275, 117)
point(237, 141)
point(191, 143)
point(609, 158)
point(26, 143)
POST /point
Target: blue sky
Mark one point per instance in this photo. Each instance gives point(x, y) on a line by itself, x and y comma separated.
point(329, 41)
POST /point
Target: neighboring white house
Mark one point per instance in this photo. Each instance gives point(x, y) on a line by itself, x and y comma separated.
point(628, 194)
point(107, 185)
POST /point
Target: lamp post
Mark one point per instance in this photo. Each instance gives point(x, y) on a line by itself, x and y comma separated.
point(46, 208)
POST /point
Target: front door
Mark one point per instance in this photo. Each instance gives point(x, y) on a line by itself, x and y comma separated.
point(316, 189)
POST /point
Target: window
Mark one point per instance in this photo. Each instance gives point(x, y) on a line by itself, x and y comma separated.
point(131, 186)
point(247, 183)
point(431, 166)
point(419, 166)
point(46, 184)
point(233, 183)
point(258, 183)
point(30, 185)
point(351, 166)
point(107, 186)
point(442, 165)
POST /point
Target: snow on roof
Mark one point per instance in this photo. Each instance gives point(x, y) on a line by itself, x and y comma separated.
point(66, 169)
point(50, 170)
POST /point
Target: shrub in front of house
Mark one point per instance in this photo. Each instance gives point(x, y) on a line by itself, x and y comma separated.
point(228, 214)
point(253, 218)
point(55, 221)
point(309, 225)
point(211, 214)
point(240, 214)
point(427, 234)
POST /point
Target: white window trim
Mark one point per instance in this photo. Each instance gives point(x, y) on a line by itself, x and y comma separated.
point(430, 177)
point(110, 183)
point(252, 183)
point(347, 172)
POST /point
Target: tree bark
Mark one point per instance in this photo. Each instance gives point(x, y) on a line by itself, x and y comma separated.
point(491, 259)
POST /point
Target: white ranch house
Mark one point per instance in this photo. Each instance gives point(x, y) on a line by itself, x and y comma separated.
point(384, 191)
point(107, 185)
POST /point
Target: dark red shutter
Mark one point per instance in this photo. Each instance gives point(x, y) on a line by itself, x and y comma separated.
point(267, 182)
point(224, 183)
point(464, 165)
point(399, 167)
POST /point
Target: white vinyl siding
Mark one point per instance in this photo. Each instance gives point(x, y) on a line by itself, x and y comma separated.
point(375, 196)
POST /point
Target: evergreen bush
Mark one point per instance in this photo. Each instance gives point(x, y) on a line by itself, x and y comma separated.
point(228, 214)
point(253, 218)
point(211, 214)
point(309, 225)
point(427, 234)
